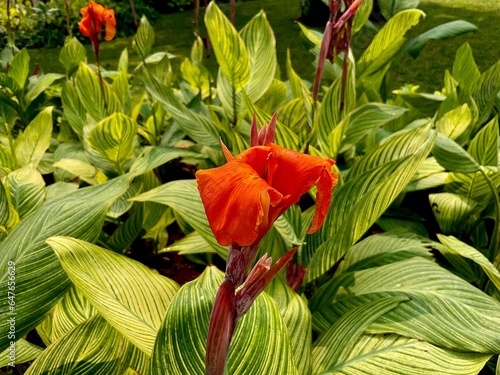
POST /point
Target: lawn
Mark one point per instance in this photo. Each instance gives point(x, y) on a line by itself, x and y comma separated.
point(174, 33)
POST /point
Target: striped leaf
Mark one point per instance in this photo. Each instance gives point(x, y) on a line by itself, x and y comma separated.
point(113, 138)
point(359, 203)
point(455, 123)
point(144, 38)
point(452, 156)
point(335, 344)
point(297, 317)
point(24, 352)
point(184, 198)
point(385, 248)
point(274, 97)
point(458, 247)
point(35, 140)
point(393, 354)
point(387, 42)
point(329, 114)
point(98, 105)
point(72, 310)
point(426, 104)
point(197, 127)
point(152, 157)
point(443, 309)
point(74, 111)
point(261, 47)
point(180, 348)
point(473, 185)
point(228, 46)
point(360, 123)
point(131, 297)
point(451, 211)
point(485, 91)
point(19, 67)
point(465, 70)
point(27, 190)
point(193, 243)
point(93, 347)
point(72, 54)
point(79, 214)
point(83, 170)
point(484, 146)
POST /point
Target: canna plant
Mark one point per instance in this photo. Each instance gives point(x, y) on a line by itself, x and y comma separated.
point(399, 276)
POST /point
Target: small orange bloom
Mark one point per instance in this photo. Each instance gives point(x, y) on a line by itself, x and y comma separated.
point(245, 196)
point(94, 16)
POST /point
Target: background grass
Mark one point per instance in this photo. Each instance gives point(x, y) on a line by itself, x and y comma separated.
point(174, 34)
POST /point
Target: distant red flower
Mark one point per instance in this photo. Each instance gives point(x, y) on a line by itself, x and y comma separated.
point(94, 15)
point(245, 196)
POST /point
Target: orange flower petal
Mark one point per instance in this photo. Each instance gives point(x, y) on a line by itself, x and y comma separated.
point(325, 183)
point(233, 196)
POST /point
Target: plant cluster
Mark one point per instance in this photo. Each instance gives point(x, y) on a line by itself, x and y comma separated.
point(401, 274)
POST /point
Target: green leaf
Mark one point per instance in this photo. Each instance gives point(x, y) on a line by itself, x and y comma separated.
point(362, 15)
point(485, 145)
point(131, 297)
point(335, 344)
point(99, 102)
point(228, 46)
point(72, 310)
point(184, 198)
point(23, 350)
point(274, 97)
point(93, 347)
point(465, 70)
point(260, 43)
point(152, 157)
point(144, 39)
point(362, 121)
point(453, 157)
point(359, 203)
point(473, 185)
point(387, 42)
point(443, 309)
point(19, 68)
point(458, 247)
point(193, 243)
point(78, 168)
point(74, 111)
point(444, 31)
point(485, 91)
point(196, 126)
point(41, 84)
point(180, 347)
point(398, 145)
point(113, 138)
point(27, 190)
point(72, 54)
point(79, 214)
point(32, 143)
point(451, 211)
point(393, 354)
point(297, 317)
point(455, 123)
point(427, 104)
point(389, 8)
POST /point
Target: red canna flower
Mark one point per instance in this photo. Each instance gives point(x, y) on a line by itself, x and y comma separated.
point(245, 196)
point(94, 15)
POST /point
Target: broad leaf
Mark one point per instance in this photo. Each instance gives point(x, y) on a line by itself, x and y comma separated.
point(27, 190)
point(228, 46)
point(19, 67)
point(451, 211)
point(32, 143)
point(23, 351)
point(113, 138)
point(485, 145)
point(180, 347)
point(79, 214)
point(452, 156)
point(41, 84)
point(72, 54)
point(130, 296)
point(144, 39)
